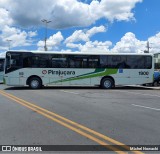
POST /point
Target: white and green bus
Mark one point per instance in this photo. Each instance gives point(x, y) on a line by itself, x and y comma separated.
point(37, 69)
point(2, 59)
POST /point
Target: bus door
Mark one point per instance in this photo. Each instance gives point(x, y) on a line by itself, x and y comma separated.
point(13, 66)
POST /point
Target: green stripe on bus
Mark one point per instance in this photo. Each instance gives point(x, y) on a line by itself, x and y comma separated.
point(96, 73)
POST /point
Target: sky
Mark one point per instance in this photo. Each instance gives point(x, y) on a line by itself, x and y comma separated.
point(123, 26)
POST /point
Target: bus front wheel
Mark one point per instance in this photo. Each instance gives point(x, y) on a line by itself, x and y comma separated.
point(107, 83)
point(35, 83)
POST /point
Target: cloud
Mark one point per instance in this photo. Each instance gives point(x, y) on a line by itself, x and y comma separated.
point(90, 46)
point(154, 43)
point(62, 13)
point(5, 18)
point(129, 44)
point(53, 42)
point(9, 32)
point(83, 35)
point(78, 35)
point(18, 38)
point(3, 54)
point(32, 34)
point(4, 3)
point(95, 30)
point(120, 10)
point(68, 13)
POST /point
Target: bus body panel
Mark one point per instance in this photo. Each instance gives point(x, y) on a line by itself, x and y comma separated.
point(16, 75)
point(87, 77)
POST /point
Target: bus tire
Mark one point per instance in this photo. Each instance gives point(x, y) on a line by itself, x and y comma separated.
point(35, 83)
point(107, 83)
point(155, 84)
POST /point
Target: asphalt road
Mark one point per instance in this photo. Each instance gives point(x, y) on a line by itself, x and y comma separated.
point(79, 116)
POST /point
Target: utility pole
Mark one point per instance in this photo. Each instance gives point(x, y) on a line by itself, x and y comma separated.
point(45, 39)
point(9, 44)
point(148, 47)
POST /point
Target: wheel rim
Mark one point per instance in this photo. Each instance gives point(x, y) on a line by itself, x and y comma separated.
point(155, 84)
point(34, 84)
point(107, 84)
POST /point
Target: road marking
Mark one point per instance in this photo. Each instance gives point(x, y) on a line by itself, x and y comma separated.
point(69, 92)
point(70, 124)
point(138, 93)
point(146, 107)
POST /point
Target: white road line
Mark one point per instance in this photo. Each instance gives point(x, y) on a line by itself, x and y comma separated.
point(146, 107)
point(65, 91)
point(139, 93)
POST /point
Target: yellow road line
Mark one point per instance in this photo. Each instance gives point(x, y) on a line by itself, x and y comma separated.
point(66, 125)
point(32, 107)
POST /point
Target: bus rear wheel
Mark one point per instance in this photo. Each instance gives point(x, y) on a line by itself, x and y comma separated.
point(107, 83)
point(35, 83)
point(155, 83)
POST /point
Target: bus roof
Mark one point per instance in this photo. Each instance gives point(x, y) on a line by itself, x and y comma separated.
point(78, 53)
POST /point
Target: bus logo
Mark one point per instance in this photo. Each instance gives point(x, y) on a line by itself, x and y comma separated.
point(44, 72)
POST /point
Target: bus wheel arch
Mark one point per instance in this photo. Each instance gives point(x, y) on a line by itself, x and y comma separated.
point(34, 82)
point(107, 82)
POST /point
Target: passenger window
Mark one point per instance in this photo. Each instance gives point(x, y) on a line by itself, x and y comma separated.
point(103, 61)
point(117, 62)
point(59, 61)
point(93, 62)
point(148, 62)
point(78, 61)
point(1, 65)
point(136, 62)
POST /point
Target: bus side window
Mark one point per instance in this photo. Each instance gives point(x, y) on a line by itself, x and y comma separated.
point(93, 61)
point(84, 63)
point(59, 63)
point(78, 61)
point(35, 62)
point(148, 62)
point(136, 62)
point(43, 63)
point(71, 63)
point(1, 65)
point(27, 62)
point(141, 62)
point(103, 61)
point(122, 65)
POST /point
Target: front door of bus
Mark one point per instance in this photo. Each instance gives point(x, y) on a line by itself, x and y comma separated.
point(14, 64)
